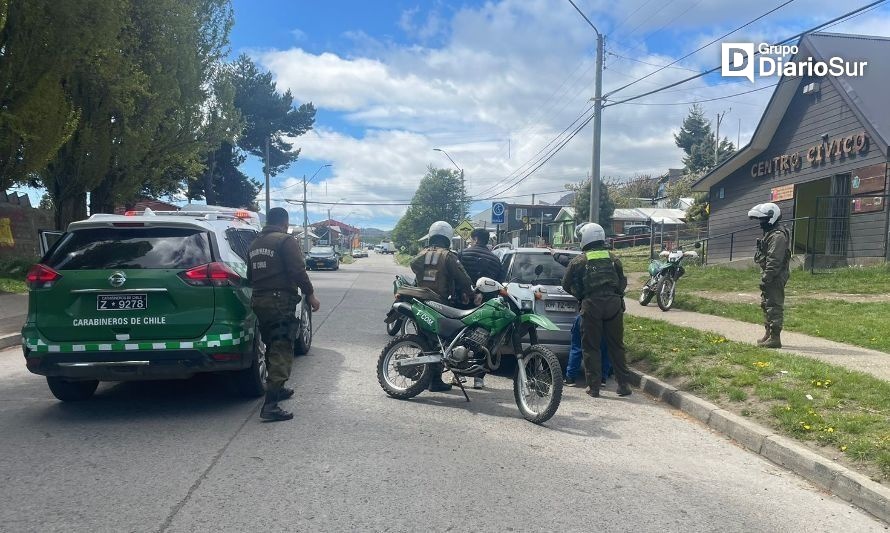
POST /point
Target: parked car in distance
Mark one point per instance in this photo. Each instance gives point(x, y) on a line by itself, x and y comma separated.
point(359, 252)
point(322, 257)
point(633, 236)
point(520, 265)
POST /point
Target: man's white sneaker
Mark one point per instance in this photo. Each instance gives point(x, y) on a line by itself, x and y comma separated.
point(478, 383)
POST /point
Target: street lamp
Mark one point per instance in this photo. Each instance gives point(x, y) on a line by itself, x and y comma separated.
point(462, 186)
point(305, 212)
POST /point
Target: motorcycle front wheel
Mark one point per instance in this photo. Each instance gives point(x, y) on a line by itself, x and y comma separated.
point(665, 292)
point(646, 295)
point(405, 382)
point(539, 396)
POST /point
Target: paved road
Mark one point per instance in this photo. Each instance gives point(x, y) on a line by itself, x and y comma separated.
point(184, 456)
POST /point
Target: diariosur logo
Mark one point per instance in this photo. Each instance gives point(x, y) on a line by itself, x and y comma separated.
point(738, 61)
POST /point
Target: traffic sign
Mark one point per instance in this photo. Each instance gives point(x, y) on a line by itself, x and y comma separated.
point(498, 209)
point(464, 229)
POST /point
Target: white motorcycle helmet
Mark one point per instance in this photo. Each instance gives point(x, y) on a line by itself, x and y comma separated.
point(487, 285)
point(768, 212)
point(590, 232)
point(442, 229)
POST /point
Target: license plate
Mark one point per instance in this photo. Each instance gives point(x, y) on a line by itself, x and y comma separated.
point(121, 302)
point(561, 307)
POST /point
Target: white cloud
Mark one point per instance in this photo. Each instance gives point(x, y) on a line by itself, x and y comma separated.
point(515, 73)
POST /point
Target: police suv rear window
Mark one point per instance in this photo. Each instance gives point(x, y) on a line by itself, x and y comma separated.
point(150, 247)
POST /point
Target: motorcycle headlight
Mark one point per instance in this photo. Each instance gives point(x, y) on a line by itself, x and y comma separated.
point(526, 305)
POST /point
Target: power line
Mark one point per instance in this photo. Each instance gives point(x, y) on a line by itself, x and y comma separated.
point(650, 64)
point(410, 203)
point(531, 160)
point(625, 19)
point(707, 99)
point(651, 15)
point(699, 49)
point(829, 23)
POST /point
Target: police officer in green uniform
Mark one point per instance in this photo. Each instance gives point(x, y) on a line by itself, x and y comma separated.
point(774, 257)
point(597, 279)
point(276, 269)
point(439, 269)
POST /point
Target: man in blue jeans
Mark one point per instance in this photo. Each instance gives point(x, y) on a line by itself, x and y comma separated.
point(573, 368)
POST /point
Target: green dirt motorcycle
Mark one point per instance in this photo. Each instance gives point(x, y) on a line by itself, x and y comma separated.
point(663, 276)
point(400, 325)
point(468, 343)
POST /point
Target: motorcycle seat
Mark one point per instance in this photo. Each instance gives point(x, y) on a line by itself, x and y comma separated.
point(450, 312)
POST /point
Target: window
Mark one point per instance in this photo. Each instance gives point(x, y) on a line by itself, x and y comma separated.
point(721, 193)
point(240, 241)
point(521, 212)
point(150, 247)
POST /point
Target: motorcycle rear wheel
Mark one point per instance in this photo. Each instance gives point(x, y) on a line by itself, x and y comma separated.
point(665, 291)
point(394, 327)
point(403, 383)
point(538, 398)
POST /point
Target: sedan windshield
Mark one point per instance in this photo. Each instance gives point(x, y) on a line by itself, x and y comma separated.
point(321, 251)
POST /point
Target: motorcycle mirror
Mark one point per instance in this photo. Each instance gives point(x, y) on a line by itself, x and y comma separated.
point(698, 244)
point(539, 269)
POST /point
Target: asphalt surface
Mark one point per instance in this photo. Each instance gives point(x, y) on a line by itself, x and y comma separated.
point(186, 456)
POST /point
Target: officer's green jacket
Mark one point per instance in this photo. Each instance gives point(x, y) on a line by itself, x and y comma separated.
point(773, 254)
point(595, 273)
point(276, 262)
point(439, 270)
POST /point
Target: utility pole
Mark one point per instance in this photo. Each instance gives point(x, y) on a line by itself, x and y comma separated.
point(267, 175)
point(305, 219)
point(717, 135)
point(597, 120)
point(597, 130)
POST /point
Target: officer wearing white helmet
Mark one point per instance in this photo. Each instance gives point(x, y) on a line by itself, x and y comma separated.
point(774, 257)
point(438, 268)
point(597, 279)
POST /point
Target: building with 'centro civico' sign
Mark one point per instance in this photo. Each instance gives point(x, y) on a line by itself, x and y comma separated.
point(820, 152)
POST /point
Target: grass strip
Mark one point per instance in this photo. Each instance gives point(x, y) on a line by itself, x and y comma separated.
point(850, 280)
point(404, 259)
point(860, 324)
point(12, 274)
point(844, 414)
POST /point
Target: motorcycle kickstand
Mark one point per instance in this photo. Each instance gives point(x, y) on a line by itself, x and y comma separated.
point(462, 389)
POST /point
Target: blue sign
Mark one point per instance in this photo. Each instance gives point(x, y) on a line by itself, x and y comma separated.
point(498, 209)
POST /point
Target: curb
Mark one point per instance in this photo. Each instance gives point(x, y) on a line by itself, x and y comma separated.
point(11, 339)
point(827, 474)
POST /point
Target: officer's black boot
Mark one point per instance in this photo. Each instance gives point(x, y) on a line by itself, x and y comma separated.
point(271, 412)
point(763, 339)
point(624, 389)
point(774, 340)
point(436, 384)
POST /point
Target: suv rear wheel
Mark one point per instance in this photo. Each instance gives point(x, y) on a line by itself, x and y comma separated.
point(71, 391)
point(251, 381)
point(304, 338)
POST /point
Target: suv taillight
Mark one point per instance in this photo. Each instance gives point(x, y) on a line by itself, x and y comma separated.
point(41, 276)
point(211, 274)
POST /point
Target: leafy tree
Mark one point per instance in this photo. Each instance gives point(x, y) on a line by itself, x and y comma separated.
point(258, 112)
point(582, 203)
point(697, 140)
point(439, 196)
point(699, 211)
point(627, 193)
point(42, 42)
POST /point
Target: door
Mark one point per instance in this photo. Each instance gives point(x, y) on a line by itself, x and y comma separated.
point(47, 239)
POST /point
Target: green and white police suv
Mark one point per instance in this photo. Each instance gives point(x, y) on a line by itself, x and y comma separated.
point(146, 295)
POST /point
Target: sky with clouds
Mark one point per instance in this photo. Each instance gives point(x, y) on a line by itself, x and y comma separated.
point(493, 82)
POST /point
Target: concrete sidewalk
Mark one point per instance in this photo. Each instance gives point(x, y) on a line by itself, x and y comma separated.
point(13, 310)
point(844, 355)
